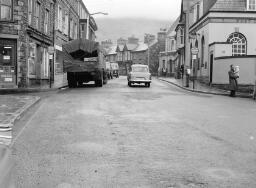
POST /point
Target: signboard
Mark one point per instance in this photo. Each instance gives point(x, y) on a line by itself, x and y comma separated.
point(94, 59)
point(51, 50)
point(194, 51)
point(194, 57)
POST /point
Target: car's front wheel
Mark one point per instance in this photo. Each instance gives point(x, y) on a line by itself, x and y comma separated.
point(147, 84)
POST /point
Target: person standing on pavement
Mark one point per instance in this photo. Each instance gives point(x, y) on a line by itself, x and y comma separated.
point(182, 71)
point(233, 84)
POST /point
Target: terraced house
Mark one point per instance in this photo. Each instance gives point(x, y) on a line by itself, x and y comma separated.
point(224, 32)
point(39, 17)
point(66, 29)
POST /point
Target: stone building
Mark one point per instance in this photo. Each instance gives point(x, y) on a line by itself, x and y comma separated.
point(12, 40)
point(66, 29)
point(39, 37)
point(26, 34)
point(168, 59)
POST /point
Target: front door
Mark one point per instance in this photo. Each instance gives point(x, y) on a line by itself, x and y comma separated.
point(8, 63)
point(211, 67)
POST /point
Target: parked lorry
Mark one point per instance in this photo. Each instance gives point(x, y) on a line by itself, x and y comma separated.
point(84, 61)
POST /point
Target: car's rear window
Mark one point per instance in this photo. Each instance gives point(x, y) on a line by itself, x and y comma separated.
point(139, 69)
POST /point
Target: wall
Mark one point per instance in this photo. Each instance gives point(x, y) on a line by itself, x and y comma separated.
point(139, 57)
point(247, 70)
point(218, 34)
point(223, 50)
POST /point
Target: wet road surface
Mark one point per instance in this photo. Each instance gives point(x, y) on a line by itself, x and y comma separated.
point(122, 137)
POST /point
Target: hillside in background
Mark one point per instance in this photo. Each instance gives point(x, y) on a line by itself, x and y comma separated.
point(110, 28)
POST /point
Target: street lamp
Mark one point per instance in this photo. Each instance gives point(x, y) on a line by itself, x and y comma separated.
point(103, 13)
point(88, 21)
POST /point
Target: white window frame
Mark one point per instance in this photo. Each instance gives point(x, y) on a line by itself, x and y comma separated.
point(59, 18)
point(45, 63)
point(46, 21)
point(239, 48)
point(251, 5)
point(37, 15)
point(30, 11)
point(6, 7)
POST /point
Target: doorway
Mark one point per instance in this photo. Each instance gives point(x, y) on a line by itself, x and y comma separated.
point(211, 67)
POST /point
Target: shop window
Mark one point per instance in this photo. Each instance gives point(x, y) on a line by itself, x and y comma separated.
point(6, 55)
point(45, 63)
point(31, 60)
point(239, 44)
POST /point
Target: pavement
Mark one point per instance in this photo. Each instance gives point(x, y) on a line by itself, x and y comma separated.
point(201, 88)
point(12, 108)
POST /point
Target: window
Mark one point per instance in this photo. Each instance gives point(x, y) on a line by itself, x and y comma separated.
point(181, 36)
point(30, 10)
point(239, 44)
point(60, 18)
point(66, 24)
point(5, 10)
point(202, 51)
point(71, 28)
point(45, 63)
point(172, 45)
point(251, 4)
point(82, 27)
point(37, 15)
point(46, 22)
point(75, 31)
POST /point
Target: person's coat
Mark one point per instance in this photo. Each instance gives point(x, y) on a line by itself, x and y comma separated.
point(233, 85)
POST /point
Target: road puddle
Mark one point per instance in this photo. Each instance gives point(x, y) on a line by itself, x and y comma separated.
point(220, 173)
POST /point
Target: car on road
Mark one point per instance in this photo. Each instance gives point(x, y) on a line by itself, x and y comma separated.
point(139, 74)
point(115, 69)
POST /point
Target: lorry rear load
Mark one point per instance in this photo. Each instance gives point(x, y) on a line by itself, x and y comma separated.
point(84, 62)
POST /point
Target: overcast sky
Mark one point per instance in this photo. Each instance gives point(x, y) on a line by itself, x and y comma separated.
point(158, 9)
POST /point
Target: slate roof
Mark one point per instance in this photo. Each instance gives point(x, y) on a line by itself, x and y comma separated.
point(229, 5)
point(112, 50)
point(141, 47)
point(131, 47)
point(121, 47)
point(171, 30)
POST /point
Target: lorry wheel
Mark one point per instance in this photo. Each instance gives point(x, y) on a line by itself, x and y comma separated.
point(129, 84)
point(99, 83)
point(148, 84)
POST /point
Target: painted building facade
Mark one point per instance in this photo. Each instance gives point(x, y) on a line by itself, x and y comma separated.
point(218, 47)
point(168, 59)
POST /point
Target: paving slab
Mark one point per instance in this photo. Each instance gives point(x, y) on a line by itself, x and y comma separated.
point(201, 88)
point(12, 107)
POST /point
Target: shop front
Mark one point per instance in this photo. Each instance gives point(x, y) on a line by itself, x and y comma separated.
point(8, 63)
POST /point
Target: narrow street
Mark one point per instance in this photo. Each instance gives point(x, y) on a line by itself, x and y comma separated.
point(130, 137)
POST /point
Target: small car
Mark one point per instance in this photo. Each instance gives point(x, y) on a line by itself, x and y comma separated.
point(140, 75)
point(115, 69)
